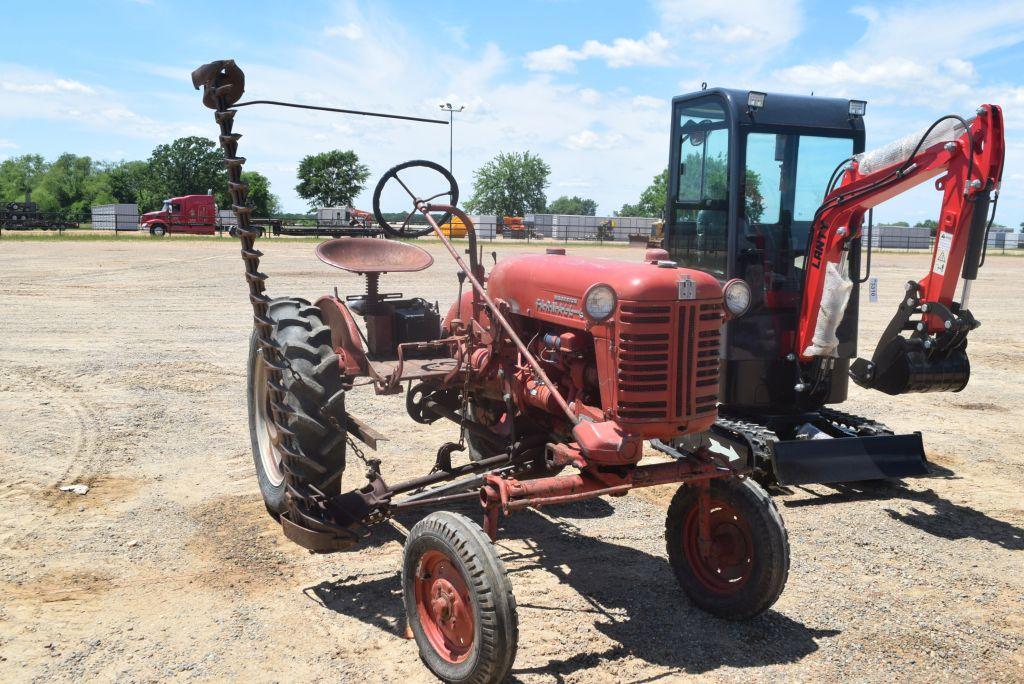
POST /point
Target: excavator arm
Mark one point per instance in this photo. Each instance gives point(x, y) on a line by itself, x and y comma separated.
point(965, 157)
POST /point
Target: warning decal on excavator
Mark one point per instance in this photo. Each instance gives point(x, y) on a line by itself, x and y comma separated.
point(942, 253)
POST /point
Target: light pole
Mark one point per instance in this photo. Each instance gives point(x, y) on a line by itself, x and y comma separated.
point(447, 107)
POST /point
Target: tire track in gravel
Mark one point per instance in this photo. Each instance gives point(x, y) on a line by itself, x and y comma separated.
point(76, 445)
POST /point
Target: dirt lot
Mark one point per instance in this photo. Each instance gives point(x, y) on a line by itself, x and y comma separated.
point(122, 367)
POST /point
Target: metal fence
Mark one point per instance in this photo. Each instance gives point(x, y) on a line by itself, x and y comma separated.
point(541, 228)
point(997, 243)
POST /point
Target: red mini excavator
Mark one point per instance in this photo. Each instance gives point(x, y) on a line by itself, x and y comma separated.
point(769, 193)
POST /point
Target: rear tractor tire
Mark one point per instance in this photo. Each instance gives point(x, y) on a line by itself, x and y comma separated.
point(314, 395)
point(459, 601)
point(746, 569)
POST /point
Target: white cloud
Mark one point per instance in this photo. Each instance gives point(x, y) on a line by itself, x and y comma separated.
point(651, 50)
point(912, 79)
point(915, 62)
point(579, 183)
point(554, 58)
point(648, 102)
point(36, 94)
point(589, 140)
point(351, 31)
point(57, 85)
point(753, 26)
point(935, 29)
point(898, 58)
point(7, 144)
point(457, 34)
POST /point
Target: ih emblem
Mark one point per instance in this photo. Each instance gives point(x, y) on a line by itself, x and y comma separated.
point(687, 288)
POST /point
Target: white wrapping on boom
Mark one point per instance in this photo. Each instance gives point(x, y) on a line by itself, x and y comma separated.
point(900, 150)
point(834, 298)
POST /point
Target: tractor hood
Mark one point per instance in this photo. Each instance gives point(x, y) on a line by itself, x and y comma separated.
point(553, 285)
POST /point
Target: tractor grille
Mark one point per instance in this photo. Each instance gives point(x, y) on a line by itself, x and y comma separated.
point(667, 360)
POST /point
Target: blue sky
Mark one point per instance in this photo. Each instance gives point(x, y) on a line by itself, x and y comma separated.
point(584, 84)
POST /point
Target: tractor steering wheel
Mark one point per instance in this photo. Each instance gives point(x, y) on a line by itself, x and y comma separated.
point(405, 230)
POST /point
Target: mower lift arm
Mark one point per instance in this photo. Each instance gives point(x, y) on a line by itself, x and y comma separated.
point(966, 158)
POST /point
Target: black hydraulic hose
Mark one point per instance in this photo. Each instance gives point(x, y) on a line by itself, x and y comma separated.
point(836, 175)
point(991, 218)
point(995, 203)
point(967, 129)
point(898, 173)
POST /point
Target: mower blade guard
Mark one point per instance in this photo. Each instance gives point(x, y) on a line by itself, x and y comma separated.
point(849, 459)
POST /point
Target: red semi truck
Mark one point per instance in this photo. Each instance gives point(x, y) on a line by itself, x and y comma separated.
point(193, 214)
point(197, 215)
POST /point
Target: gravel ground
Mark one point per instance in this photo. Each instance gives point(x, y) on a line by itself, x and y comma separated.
point(122, 367)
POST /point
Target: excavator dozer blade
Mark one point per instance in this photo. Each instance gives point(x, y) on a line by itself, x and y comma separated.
point(849, 459)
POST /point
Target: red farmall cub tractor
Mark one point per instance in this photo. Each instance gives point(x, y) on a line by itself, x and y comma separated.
point(557, 371)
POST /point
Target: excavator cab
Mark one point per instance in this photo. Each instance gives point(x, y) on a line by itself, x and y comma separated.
point(747, 174)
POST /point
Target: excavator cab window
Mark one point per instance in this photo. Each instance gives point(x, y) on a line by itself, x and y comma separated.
point(701, 202)
point(784, 183)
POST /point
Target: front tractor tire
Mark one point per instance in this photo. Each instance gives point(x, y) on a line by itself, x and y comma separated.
point(746, 568)
point(314, 394)
point(459, 601)
point(158, 230)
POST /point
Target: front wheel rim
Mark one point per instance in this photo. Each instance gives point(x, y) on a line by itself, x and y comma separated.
point(730, 563)
point(444, 607)
point(267, 435)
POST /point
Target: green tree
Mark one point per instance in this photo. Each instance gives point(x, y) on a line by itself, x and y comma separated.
point(331, 179)
point(904, 224)
point(511, 184)
point(74, 184)
point(187, 166)
point(716, 181)
point(931, 225)
point(19, 174)
point(574, 205)
point(652, 199)
point(263, 202)
point(132, 182)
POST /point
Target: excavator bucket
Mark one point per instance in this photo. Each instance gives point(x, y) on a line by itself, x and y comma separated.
point(849, 459)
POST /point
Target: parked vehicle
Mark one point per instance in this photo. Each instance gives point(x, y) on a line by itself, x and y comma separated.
point(191, 214)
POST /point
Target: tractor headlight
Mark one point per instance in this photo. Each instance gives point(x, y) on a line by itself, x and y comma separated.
point(599, 302)
point(737, 297)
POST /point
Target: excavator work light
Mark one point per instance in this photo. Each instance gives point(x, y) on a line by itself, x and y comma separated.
point(755, 100)
point(858, 107)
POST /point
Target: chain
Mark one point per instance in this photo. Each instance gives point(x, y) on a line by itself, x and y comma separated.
point(372, 464)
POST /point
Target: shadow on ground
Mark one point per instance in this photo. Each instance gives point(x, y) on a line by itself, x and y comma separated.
point(631, 597)
point(946, 519)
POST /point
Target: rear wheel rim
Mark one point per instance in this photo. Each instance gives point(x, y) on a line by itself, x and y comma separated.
point(267, 435)
point(730, 562)
point(444, 606)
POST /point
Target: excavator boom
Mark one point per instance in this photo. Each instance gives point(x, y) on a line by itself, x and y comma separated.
point(965, 157)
